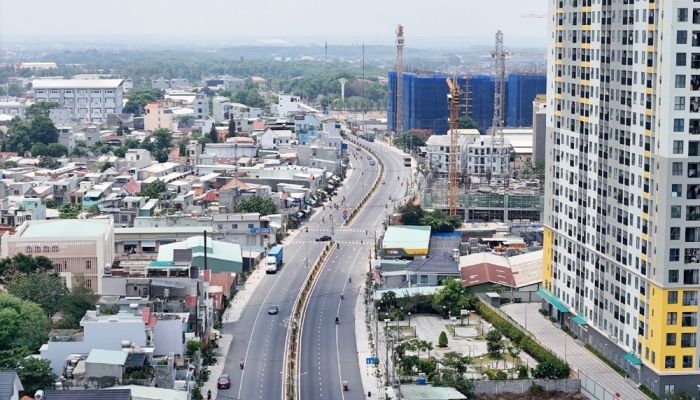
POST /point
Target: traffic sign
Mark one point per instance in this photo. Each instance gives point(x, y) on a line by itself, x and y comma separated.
point(345, 217)
point(345, 212)
point(372, 360)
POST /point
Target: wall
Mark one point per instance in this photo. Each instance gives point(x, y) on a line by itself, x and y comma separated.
point(521, 386)
point(167, 336)
point(521, 90)
point(98, 370)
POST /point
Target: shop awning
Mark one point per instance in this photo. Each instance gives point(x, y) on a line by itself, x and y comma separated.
point(131, 242)
point(553, 300)
point(148, 243)
point(632, 359)
point(580, 320)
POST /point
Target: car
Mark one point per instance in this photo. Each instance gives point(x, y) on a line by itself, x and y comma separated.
point(369, 157)
point(371, 162)
point(224, 382)
point(359, 148)
point(272, 310)
point(324, 239)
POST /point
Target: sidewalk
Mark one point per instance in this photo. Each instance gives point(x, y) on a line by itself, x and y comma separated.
point(370, 383)
point(218, 369)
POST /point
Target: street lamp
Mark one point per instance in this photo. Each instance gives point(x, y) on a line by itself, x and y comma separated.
point(409, 319)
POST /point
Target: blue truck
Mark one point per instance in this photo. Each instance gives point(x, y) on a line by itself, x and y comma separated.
point(274, 259)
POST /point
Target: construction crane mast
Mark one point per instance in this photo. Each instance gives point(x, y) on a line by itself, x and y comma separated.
point(498, 98)
point(399, 79)
point(453, 100)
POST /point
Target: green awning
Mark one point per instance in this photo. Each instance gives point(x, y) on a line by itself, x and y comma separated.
point(552, 299)
point(580, 320)
point(632, 359)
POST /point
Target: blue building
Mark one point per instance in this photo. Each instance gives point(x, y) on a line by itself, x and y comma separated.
point(425, 100)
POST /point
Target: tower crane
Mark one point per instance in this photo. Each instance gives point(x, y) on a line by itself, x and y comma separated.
point(399, 79)
point(453, 100)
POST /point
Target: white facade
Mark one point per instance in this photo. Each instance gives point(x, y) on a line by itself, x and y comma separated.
point(489, 154)
point(138, 158)
point(221, 109)
point(200, 105)
point(286, 103)
point(13, 108)
point(438, 155)
point(89, 99)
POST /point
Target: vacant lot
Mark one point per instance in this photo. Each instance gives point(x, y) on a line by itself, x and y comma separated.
point(525, 396)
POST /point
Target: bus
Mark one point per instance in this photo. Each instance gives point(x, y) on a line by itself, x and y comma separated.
point(407, 161)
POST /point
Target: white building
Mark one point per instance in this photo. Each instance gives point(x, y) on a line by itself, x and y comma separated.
point(89, 99)
point(275, 139)
point(233, 148)
point(438, 155)
point(200, 105)
point(138, 158)
point(221, 109)
point(286, 103)
point(489, 154)
point(13, 108)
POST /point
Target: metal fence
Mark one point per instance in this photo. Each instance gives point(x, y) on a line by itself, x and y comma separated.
point(593, 389)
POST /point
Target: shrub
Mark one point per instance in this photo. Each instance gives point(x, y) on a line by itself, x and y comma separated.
point(611, 364)
point(442, 341)
point(522, 372)
point(537, 390)
point(544, 312)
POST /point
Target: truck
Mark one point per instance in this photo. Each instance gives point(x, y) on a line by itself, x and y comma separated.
point(274, 260)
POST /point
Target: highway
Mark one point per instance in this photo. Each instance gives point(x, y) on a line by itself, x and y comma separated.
point(328, 352)
point(259, 338)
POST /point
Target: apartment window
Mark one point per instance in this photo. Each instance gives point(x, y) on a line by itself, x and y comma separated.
point(680, 81)
point(690, 277)
point(670, 362)
point(690, 298)
point(688, 339)
point(670, 339)
point(88, 264)
point(678, 125)
point(687, 361)
point(680, 59)
point(689, 319)
point(653, 358)
point(679, 103)
point(676, 190)
point(251, 226)
point(234, 226)
point(668, 389)
point(682, 15)
point(673, 276)
point(681, 37)
point(675, 211)
point(673, 297)
point(671, 318)
point(677, 168)
point(675, 233)
point(678, 145)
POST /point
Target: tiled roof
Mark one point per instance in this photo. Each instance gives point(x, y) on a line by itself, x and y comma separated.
point(438, 264)
point(478, 274)
point(7, 384)
point(132, 187)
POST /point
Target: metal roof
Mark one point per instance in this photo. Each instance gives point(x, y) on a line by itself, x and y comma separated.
point(65, 228)
point(114, 394)
point(76, 83)
point(407, 237)
point(136, 360)
point(115, 357)
point(427, 392)
point(7, 384)
point(154, 393)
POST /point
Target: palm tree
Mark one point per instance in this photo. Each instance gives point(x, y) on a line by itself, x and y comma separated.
point(427, 345)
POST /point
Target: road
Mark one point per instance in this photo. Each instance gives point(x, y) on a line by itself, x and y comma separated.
point(328, 352)
point(259, 338)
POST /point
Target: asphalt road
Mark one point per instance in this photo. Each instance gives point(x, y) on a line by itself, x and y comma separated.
point(328, 351)
point(259, 338)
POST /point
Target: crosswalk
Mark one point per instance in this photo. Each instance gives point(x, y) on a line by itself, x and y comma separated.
point(360, 242)
point(337, 230)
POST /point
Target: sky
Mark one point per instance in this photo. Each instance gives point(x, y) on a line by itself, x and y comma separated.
point(337, 21)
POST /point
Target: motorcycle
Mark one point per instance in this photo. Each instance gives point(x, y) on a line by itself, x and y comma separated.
point(336, 320)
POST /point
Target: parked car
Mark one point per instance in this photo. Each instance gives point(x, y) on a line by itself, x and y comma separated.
point(224, 382)
point(272, 310)
point(324, 239)
point(359, 148)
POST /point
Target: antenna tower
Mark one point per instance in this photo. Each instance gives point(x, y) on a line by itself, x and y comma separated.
point(498, 98)
point(399, 79)
point(453, 100)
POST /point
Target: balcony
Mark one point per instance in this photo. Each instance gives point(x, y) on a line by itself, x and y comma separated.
point(692, 256)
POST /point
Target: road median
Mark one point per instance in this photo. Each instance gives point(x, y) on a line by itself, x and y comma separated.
point(373, 189)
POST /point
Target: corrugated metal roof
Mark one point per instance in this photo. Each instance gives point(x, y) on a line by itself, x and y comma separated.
point(148, 392)
point(114, 394)
point(65, 228)
point(76, 83)
point(7, 384)
point(427, 392)
point(407, 237)
point(114, 357)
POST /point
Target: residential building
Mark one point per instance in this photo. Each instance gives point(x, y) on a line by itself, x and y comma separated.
point(489, 154)
point(89, 394)
point(138, 158)
point(62, 116)
point(201, 105)
point(157, 116)
point(305, 127)
point(76, 247)
point(10, 386)
point(249, 230)
point(539, 129)
point(438, 155)
point(160, 83)
point(13, 108)
point(621, 197)
point(221, 256)
point(88, 99)
point(405, 241)
point(221, 107)
point(233, 148)
point(286, 103)
point(319, 157)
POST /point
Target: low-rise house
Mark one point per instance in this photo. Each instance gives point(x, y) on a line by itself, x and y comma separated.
point(138, 158)
point(10, 386)
point(522, 272)
point(221, 256)
point(233, 148)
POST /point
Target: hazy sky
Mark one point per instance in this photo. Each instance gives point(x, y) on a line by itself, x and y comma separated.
point(337, 20)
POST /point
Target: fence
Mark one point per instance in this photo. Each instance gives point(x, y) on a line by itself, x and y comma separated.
point(593, 389)
point(522, 386)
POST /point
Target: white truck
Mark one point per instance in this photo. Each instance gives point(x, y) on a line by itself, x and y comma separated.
point(274, 260)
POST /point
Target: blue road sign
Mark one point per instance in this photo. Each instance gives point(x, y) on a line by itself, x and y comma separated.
point(372, 360)
point(345, 217)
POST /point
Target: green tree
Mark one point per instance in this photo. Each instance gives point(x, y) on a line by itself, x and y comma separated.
point(231, 128)
point(22, 264)
point(43, 130)
point(468, 123)
point(34, 373)
point(213, 135)
point(14, 90)
point(56, 150)
point(154, 189)
point(43, 289)
point(440, 222)
point(411, 214)
point(105, 166)
point(68, 211)
point(409, 140)
point(74, 307)
point(48, 163)
point(39, 150)
point(540, 167)
point(256, 204)
point(40, 108)
point(93, 210)
point(442, 340)
point(182, 149)
point(451, 298)
point(138, 97)
point(550, 370)
point(22, 324)
point(450, 377)
point(161, 145)
point(494, 342)
point(50, 203)
point(120, 151)
point(389, 300)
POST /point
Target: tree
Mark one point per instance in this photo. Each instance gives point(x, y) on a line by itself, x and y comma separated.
point(23, 264)
point(73, 307)
point(120, 151)
point(213, 135)
point(40, 108)
point(56, 150)
point(550, 370)
point(440, 222)
point(48, 163)
point(139, 97)
point(38, 150)
point(34, 373)
point(182, 149)
point(442, 340)
point(68, 211)
point(43, 130)
point(411, 214)
point(93, 210)
point(22, 324)
point(256, 204)
point(43, 289)
point(494, 342)
point(468, 123)
point(50, 203)
point(450, 298)
point(161, 146)
point(409, 140)
point(449, 377)
point(231, 128)
point(154, 189)
point(105, 166)
point(389, 299)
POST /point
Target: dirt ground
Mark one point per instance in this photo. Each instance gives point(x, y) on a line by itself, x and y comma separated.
point(525, 396)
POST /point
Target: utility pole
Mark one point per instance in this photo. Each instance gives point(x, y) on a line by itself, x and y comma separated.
point(399, 79)
point(498, 100)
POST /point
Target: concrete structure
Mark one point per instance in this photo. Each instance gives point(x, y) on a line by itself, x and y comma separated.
point(438, 155)
point(159, 117)
point(138, 158)
point(201, 105)
point(233, 148)
point(152, 393)
point(82, 247)
point(487, 154)
point(221, 109)
point(539, 129)
point(286, 103)
point(427, 392)
point(105, 363)
point(89, 99)
point(621, 233)
point(13, 108)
